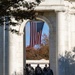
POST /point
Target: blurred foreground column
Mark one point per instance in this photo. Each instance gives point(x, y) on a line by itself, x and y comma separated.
point(15, 54)
point(61, 40)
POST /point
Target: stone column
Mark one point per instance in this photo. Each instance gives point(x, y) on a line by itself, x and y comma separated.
point(72, 30)
point(15, 54)
point(53, 63)
point(71, 34)
point(61, 40)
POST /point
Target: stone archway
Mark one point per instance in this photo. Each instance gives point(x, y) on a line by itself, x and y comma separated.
point(52, 39)
point(16, 47)
point(58, 46)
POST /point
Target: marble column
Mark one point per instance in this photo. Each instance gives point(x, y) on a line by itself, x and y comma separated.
point(72, 30)
point(61, 40)
point(71, 41)
point(52, 54)
point(15, 54)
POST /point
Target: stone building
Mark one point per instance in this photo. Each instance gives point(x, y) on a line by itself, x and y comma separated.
point(60, 16)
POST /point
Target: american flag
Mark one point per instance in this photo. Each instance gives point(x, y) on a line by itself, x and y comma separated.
point(35, 32)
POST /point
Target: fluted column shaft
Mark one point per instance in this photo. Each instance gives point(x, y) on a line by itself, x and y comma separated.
point(15, 54)
point(61, 39)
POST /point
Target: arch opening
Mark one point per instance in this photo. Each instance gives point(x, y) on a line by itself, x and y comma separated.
point(52, 39)
point(37, 36)
point(36, 49)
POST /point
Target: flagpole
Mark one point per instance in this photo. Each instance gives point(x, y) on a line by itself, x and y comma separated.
point(4, 47)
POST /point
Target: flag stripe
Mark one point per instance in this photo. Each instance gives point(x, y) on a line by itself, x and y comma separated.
point(35, 32)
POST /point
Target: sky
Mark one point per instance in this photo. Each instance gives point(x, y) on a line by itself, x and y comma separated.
point(27, 29)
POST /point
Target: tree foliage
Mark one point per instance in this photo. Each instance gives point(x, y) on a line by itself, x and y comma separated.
point(19, 9)
point(33, 54)
point(39, 53)
point(45, 39)
point(67, 63)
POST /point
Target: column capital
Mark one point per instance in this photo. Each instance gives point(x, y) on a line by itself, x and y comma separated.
point(72, 12)
point(61, 10)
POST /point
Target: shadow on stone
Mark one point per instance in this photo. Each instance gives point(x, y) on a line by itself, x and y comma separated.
point(67, 63)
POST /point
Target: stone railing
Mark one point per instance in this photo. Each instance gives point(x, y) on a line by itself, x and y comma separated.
point(34, 63)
